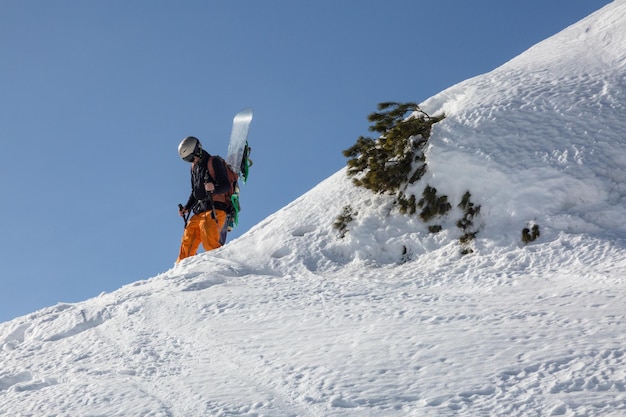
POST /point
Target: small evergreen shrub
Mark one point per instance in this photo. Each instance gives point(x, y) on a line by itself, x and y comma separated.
point(407, 206)
point(434, 228)
point(530, 235)
point(341, 223)
point(432, 205)
point(406, 255)
point(466, 223)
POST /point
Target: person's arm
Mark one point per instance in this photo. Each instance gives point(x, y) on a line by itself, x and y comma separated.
point(221, 181)
point(192, 200)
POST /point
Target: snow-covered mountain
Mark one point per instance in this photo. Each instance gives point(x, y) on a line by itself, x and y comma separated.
point(291, 320)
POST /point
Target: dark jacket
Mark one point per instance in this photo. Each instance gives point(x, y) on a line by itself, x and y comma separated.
point(198, 201)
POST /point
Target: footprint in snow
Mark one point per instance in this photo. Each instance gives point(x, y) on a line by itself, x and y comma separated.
point(303, 230)
point(297, 232)
point(282, 252)
point(7, 381)
point(203, 285)
point(341, 403)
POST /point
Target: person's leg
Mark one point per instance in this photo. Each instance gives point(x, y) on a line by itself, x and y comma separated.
point(210, 229)
point(191, 237)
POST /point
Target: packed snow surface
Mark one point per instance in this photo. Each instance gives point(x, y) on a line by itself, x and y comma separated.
point(291, 320)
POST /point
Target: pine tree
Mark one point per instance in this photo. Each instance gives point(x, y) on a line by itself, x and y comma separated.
point(385, 164)
point(395, 160)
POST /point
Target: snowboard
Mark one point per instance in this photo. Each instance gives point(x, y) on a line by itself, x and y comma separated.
point(237, 158)
point(238, 149)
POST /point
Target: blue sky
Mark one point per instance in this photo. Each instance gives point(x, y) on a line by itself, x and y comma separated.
point(95, 97)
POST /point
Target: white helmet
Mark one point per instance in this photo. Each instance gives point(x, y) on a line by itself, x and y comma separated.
point(189, 147)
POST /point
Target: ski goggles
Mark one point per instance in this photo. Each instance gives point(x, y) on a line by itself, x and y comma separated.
point(189, 158)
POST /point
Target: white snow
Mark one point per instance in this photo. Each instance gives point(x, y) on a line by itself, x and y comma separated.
point(290, 320)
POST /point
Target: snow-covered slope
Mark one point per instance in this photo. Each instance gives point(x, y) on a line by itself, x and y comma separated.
point(290, 320)
point(542, 137)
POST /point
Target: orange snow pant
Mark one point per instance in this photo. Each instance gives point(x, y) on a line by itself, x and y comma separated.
point(201, 228)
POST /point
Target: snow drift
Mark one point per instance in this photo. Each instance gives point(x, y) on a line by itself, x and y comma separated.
point(290, 320)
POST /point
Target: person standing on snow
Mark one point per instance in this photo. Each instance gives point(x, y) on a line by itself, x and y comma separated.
point(207, 182)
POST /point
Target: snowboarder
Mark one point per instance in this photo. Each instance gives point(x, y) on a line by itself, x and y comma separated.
point(209, 213)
